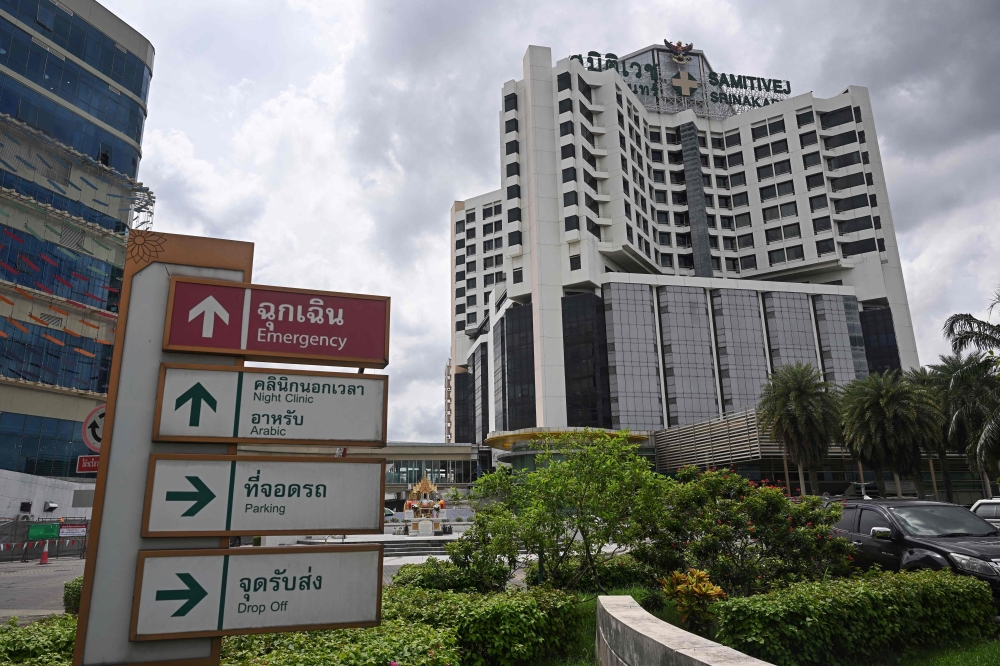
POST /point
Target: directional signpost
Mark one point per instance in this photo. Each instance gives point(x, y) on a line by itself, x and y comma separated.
point(179, 421)
point(201, 403)
point(190, 593)
point(189, 495)
point(277, 323)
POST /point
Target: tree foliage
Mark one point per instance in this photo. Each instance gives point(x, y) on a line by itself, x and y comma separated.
point(590, 496)
point(974, 391)
point(751, 538)
point(488, 551)
point(799, 410)
point(887, 420)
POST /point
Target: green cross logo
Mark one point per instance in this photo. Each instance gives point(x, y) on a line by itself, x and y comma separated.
point(684, 83)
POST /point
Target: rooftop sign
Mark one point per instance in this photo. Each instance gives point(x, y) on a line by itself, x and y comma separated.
point(749, 91)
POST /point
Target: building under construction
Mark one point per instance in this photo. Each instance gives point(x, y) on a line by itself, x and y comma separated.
point(74, 82)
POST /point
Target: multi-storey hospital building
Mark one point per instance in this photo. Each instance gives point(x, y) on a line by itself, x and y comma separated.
point(664, 236)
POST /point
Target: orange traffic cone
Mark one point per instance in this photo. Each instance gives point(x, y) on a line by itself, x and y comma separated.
point(45, 554)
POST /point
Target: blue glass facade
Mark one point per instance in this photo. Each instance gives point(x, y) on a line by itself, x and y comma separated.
point(39, 264)
point(69, 81)
point(44, 446)
point(67, 127)
point(50, 356)
point(84, 41)
point(70, 103)
point(46, 196)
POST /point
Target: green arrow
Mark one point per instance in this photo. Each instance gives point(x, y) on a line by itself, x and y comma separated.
point(191, 596)
point(196, 394)
point(201, 496)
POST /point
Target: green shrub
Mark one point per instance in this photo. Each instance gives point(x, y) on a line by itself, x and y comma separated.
point(409, 644)
point(71, 595)
point(748, 538)
point(502, 629)
point(693, 594)
point(48, 642)
point(488, 552)
point(434, 574)
point(850, 620)
point(621, 571)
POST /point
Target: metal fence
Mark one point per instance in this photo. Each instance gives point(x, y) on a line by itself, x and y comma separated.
point(16, 546)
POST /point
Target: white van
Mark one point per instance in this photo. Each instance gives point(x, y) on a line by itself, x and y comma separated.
point(988, 510)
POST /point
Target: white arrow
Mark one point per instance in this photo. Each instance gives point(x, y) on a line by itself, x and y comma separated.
point(210, 308)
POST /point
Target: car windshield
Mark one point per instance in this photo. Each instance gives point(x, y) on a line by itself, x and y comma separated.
point(941, 520)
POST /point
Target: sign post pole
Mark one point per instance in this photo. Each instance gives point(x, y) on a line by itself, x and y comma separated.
point(114, 540)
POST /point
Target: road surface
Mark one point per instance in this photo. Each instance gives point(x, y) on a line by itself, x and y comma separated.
point(29, 590)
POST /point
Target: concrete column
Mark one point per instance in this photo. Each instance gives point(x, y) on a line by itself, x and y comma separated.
point(540, 207)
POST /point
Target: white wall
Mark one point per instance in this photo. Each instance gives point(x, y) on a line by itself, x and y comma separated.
point(16, 487)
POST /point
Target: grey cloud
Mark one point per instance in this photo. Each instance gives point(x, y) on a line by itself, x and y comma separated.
point(421, 98)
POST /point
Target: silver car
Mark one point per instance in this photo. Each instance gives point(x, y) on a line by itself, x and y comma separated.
point(988, 510)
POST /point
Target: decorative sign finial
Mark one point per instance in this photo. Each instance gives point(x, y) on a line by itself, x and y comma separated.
point(679, 51)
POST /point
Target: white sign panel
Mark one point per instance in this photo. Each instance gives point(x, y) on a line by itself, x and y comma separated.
point(229, 404)
point(193, 495)
point(211, 593)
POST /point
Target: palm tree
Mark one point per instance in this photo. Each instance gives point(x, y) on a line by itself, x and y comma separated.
point(974, 401)
point(966, 331)
point(936, 380)
point(887, 419)
point(975, 388)
point(799, 410)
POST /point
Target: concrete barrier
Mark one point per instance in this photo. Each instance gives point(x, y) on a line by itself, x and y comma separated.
point(629, 636)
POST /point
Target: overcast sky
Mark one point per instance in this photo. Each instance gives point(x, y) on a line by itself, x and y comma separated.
point(336, 135)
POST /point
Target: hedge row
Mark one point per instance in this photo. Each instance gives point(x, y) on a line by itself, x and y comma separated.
point(72, 590)
point(849, 620)
point(434, 574)
point(394, 641)
point(503, 629)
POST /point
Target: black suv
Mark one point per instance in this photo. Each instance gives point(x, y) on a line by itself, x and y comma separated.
point(908, 534)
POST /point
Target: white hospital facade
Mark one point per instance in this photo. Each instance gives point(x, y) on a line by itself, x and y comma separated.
point(663, 237)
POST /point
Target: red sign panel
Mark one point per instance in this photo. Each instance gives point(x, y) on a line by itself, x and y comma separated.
point(87, 464)
point(277, 324)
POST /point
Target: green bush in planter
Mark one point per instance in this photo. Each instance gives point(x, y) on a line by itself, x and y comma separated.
point(504, 629)
point(71, 595)
point(434, 574)
point(850, 620)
